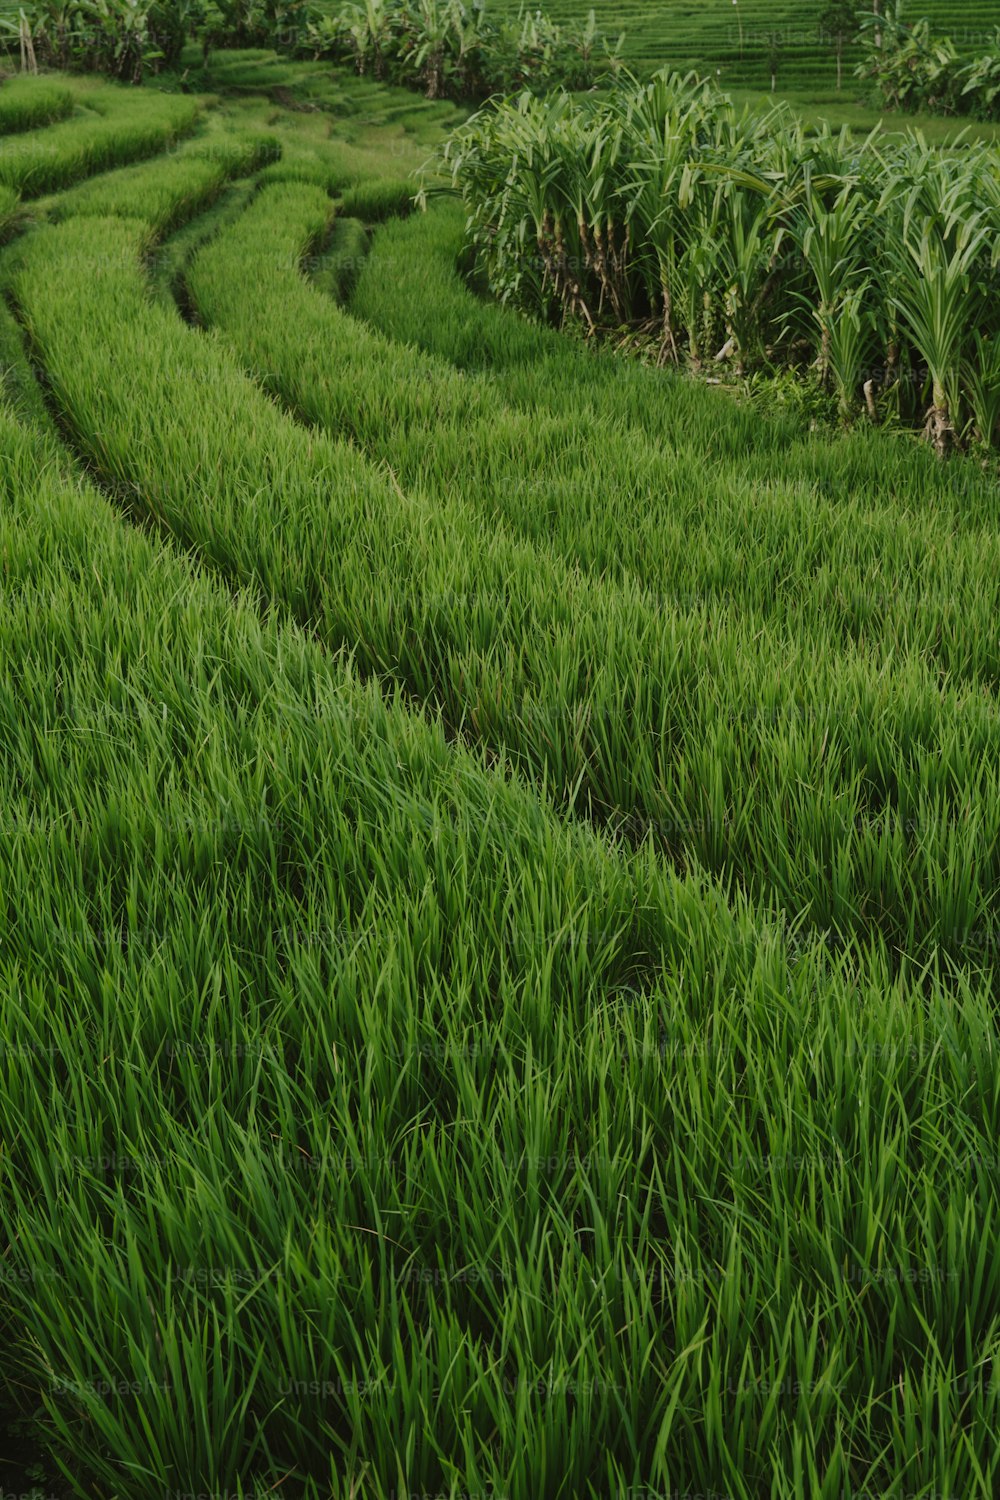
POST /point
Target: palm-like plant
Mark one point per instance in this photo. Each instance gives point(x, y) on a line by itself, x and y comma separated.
point(834, 244)
point(428, 58)
point(662, 122)
point(369, 26)
point(55, 27)
point(934, 256)
point(981, 83)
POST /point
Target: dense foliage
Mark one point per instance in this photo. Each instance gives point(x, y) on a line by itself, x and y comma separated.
point(452, 47)
point(443, 47)
point(912, 69)
point(124, 39)
point(749, 244)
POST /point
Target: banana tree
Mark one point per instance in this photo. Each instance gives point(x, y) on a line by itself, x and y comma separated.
point(981, 83)
point(54, 27)
point(433, 25)
point(370, 29)
point(475, 39)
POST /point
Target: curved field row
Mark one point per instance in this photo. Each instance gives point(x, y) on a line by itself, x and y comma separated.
point(119, 127)
point(726, 696)
point(29, 102)
point(409, 288)
point(170, 191)
point(599, 492)
point(156, 736)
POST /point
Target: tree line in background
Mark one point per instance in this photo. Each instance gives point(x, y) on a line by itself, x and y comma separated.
point(739, 243)
point(453, 48)
point(447, 48)
point(124, 39)
point(912, 69)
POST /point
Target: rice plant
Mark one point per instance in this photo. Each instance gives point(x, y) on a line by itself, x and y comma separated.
point(615, 701)
point(117, 129)
point(26, 103)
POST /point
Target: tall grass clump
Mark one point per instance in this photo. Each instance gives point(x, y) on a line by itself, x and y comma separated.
point(740, 243)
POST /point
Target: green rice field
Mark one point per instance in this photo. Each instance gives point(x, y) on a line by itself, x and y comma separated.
point(736, 37)
point(499, 854)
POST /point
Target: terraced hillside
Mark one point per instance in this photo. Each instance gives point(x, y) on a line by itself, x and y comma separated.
point(737, 38)
point(499, 854)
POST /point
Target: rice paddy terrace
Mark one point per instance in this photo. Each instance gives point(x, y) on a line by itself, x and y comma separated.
point(499, 858)
point(737, 36)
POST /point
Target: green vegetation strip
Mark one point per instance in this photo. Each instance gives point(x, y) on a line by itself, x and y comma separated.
point(209, 1169)
point(122, 126)
point(747, 40)
point(369, 1130)
point(801, 560)
point(28, 102)
point(730, 640)
point(411, 288)
point(337, 268)
point(172, 190)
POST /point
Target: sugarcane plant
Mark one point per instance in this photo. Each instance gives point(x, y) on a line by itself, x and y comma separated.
point(868, 269)
point(835, 244)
